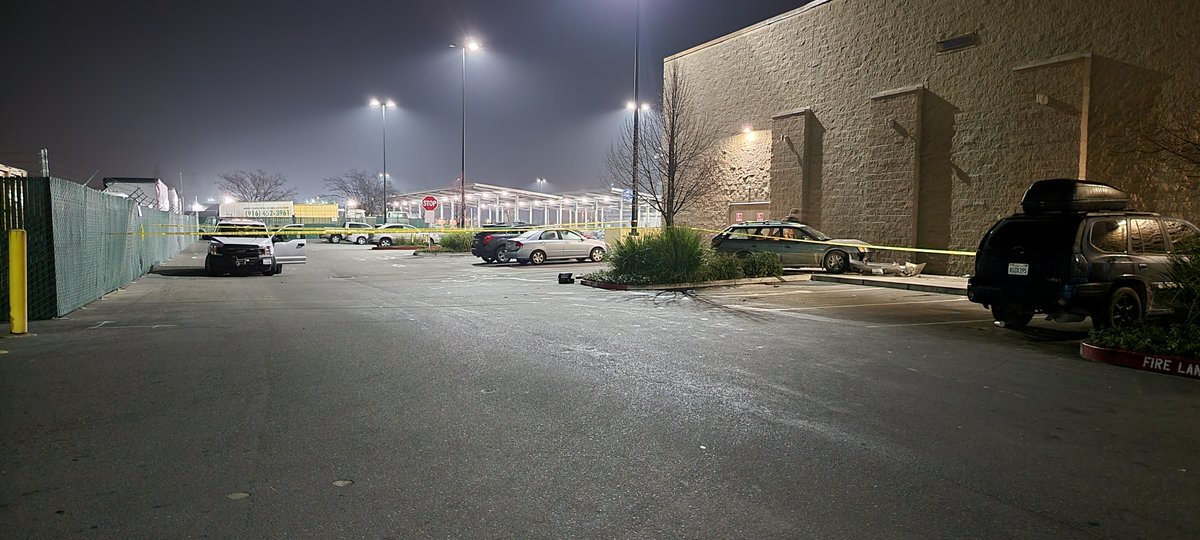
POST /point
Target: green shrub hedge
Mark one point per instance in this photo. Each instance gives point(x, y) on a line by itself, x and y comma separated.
point(456, 241)
point(679, 255)
point(1178, 335)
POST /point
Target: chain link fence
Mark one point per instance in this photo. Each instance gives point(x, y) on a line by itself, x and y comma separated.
point(83, 243)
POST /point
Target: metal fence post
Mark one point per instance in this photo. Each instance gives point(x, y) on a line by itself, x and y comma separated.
point(18, 284)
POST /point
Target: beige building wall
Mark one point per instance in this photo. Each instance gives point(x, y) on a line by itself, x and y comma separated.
point(860, 122)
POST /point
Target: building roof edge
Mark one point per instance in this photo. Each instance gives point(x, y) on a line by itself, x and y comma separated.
point(748, 29)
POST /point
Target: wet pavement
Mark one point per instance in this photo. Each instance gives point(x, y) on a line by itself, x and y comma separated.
point(378, 394)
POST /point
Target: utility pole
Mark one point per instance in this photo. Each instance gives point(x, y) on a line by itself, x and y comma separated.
point(637, 31)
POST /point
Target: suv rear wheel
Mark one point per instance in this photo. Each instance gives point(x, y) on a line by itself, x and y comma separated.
point(1124, 308)
point(336, 239)
point(385, 241)
point(362, 240)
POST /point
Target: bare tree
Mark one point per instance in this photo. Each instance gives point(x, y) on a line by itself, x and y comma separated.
point(1175, 136)
point(676, 162)
point(255, 185)
point(360, 186)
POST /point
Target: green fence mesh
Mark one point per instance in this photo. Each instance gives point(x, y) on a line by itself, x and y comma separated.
point(82, 244)
point(26, 205)
point(102, 242)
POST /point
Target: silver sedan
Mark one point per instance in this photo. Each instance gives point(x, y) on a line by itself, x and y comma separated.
point(541, 245)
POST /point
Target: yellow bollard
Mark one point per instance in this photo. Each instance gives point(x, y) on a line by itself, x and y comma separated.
point(18, 283)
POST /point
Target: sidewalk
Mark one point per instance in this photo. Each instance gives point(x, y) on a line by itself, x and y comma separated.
point(927, 283)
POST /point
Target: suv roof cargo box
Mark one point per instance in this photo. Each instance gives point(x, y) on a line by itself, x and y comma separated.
point(1068, 195)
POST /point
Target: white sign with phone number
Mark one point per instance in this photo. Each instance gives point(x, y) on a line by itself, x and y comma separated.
point(264, 209)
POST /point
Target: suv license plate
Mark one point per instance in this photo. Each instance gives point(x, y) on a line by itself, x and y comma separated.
point(1018, 269)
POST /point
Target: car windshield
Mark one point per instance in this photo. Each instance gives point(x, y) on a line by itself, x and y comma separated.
point(815, 233)
point(242, 229)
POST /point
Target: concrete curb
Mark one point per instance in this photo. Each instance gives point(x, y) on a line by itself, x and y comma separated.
point(396, 248)
point(1170, 365)
point(419, 253)
point(696, 285)
point(892, 284)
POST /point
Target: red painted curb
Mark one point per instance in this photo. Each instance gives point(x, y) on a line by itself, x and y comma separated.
point(1157, 363)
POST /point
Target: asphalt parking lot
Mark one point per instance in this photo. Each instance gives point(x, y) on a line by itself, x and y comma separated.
point(381, 394)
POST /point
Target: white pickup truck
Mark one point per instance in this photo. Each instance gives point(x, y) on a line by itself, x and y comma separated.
point(244, 246)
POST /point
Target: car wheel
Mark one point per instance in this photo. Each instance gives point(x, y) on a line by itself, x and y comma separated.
point(597, 254)
point(385, 242)
point(279, 269)
point(208, 268)
point(362, 240)
point(269, 272)
point(335, 239)
point(1124, 308)
point(537, 257)
point(1011, 316)
point(836, 262)
point(502, 255)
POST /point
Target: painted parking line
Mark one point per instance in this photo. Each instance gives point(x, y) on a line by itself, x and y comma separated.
point(744, 294)
point(927, 323)
point(876, 304)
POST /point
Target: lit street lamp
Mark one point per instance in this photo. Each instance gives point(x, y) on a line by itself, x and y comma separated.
point(541, 183)
point(383, 107)
point(468, 45)
point(637, 32)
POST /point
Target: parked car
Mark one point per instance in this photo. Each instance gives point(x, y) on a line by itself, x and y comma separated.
point(245, 246)
point(1074, 252)
point(394, 233)
point(351, 233)
point(491, 244)
point(783, 237)
point(541, 245)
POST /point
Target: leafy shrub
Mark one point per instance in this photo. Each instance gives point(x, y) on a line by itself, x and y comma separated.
point(1161, 337)
point(609, 276)
point(673, 255)
point(456, 241)
point(1177, 336)
point(1185, 271)
point(763, 264)
point(719, 266)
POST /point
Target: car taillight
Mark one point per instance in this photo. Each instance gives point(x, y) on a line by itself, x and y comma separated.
point(214, 249)
point(518, 244)
point(487, 239)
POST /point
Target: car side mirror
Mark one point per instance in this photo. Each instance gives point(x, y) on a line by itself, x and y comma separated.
point(277, 239)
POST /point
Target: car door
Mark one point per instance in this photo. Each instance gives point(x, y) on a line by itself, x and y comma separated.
point(550, 243)
point(1148, 252)
point(289, 249)
point(572, 245)
point(791, 252)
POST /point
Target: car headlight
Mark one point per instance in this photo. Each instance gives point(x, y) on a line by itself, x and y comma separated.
point(266, 250)
point(863, 249)
point(214, 249)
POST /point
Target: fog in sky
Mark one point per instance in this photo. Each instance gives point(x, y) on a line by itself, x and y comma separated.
point(155, 88)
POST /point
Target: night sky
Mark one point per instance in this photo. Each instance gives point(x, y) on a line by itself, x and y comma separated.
point(139, 88)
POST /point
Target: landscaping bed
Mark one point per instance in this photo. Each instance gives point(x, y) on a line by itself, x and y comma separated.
point(677, 258)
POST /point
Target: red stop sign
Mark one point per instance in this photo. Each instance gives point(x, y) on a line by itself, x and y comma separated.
point(429, 203)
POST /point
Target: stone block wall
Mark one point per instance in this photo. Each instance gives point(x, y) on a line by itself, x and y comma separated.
point(1054, 89)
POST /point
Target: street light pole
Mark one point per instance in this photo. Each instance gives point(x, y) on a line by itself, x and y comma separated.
point(384, 107)
point(637, 31)
point(462, 177)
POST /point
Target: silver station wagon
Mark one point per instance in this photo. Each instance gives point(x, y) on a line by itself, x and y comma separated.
point(796, 243)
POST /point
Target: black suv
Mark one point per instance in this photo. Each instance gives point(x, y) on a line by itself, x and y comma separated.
point(1075, 252)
